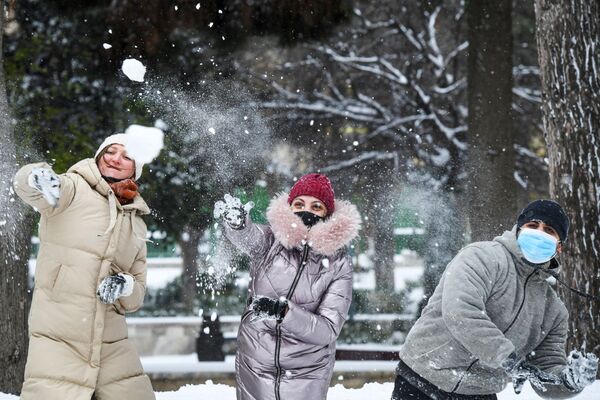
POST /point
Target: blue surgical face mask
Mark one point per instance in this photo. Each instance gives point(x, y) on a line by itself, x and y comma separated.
point(537, 247)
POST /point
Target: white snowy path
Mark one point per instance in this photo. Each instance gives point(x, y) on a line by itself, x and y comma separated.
point(379, 391)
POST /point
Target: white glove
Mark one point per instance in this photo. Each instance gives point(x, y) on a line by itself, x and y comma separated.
point(114, 286)
point(232, 211)
point(45, 181)
point(580, 371)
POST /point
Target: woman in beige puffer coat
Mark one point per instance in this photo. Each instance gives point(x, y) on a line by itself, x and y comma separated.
point(91, 270)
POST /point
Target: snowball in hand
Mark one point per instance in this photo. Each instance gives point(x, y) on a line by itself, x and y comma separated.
point(143, 143)
point(134, 69)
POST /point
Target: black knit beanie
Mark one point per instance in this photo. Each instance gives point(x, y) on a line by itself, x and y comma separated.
point(550, 213)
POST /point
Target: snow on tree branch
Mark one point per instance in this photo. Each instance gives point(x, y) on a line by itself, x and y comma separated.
point(370, 156)
point(402, 78)
point(405, 89)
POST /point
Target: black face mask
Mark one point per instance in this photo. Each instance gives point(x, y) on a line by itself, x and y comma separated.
point(308, 218)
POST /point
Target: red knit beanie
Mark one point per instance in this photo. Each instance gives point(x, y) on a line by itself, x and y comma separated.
point(315, 185)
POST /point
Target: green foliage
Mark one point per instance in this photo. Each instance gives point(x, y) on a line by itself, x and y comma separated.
point(62, 93)
point(178, 199)
point(261, 198)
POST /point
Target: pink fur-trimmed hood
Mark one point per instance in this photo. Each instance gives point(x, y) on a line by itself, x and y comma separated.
point(325, 237)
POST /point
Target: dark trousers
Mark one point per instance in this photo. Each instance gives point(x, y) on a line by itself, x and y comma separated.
point(410, 386)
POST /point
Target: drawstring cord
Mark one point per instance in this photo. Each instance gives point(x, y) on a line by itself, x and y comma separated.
point(576, 291)
point(555, 276)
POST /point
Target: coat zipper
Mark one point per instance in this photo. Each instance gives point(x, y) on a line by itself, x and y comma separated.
point(278, 327)
point(522, 303)
point(506, 330)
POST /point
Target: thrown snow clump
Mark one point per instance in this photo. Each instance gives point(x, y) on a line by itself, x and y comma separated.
point(134, 69)
point(144, 143)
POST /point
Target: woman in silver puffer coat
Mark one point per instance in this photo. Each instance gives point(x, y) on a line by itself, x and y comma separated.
point(300, 290)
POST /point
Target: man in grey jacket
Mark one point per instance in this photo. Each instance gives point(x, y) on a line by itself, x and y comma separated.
point(494, 318)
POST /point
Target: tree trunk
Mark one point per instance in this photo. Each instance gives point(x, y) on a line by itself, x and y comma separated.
point(382, 215)
point(491, 162)
point(568, 35)
point(189, 252)
point(385, 246)
point(15, 239)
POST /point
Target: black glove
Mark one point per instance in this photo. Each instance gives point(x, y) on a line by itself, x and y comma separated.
point(521, 371)
point(267, 308)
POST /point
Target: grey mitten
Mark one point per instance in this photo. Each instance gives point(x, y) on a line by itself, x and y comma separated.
point(114, 286)
point(580, 371)
point(521, 371)
point(232, 211)
point(45, 181)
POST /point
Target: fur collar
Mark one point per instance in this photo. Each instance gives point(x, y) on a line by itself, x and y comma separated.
point(325, 237)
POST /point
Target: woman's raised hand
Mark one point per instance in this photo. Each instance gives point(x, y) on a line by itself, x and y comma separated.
point(232, 211)
point(45, 181)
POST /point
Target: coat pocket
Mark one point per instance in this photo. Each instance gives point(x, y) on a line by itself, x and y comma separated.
point(450, 355)
point(46, 272)
point(57, 288)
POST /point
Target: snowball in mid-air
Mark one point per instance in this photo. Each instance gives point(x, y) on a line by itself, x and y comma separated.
point(106, 46)
point(143, 142)
point(134, 69)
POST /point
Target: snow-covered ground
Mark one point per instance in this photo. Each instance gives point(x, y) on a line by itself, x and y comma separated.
point(381, 391)
point(190, 364)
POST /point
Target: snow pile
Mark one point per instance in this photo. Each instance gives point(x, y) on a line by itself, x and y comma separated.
point(224, 392)
point(144, 143)
point(209, 390)
point(134, 69)
point(339, 392)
